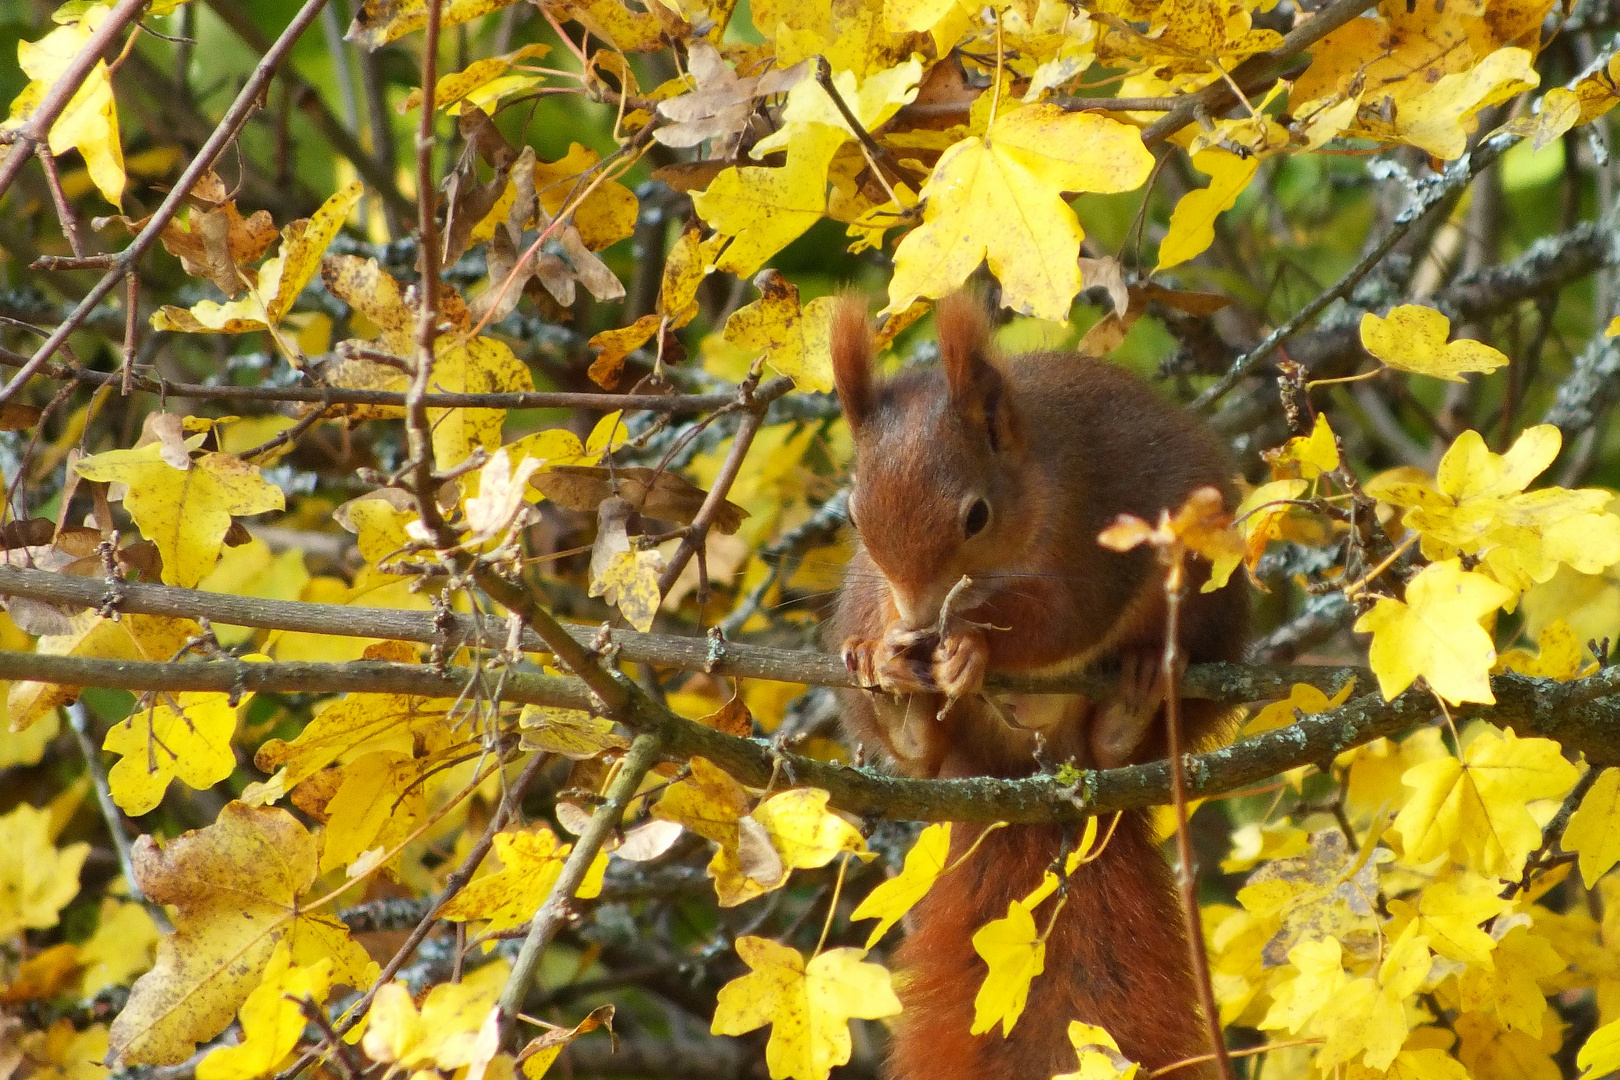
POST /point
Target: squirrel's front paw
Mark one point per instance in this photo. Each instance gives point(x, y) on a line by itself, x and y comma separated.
point(889, 663)
point(959, 663)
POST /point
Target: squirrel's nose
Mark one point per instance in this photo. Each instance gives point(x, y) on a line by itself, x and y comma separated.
point(918, 609)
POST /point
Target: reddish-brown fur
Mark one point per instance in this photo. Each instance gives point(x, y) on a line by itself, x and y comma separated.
point(1057, 445)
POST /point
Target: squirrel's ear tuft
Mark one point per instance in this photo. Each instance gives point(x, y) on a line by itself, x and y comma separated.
point(964, 350)
point(851, 341)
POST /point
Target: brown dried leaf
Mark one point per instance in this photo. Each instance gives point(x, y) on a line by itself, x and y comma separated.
point(665, 496)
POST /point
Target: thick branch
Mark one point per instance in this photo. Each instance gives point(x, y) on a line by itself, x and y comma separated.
point(1218, 95)
point(1220, 682)
point(1582, 715)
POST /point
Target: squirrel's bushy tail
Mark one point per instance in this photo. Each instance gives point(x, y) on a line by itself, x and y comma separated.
point(1116, 957)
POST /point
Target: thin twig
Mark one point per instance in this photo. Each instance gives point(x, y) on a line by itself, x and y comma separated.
point(674, 404)
point(642, 756)
point(698, 532)
point(1187, 873)
point(79, 720)
point(36, 130)
point(236, 116)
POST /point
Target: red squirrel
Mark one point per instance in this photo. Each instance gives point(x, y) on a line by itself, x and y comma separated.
point(1002, 471)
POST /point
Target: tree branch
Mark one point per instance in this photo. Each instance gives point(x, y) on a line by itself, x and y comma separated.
point(1579, 714)
point(642, 756)
point(1218, 94)
point(675, 404)
point(1221, 682)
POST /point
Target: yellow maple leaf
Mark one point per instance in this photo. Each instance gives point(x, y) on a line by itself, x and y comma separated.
point(444, 1031)
point(1412, 337)
point(1308, 456)
point(1320, 893)
point(1320, 978)
point(483, 82)
point(1509, 988)
point(378, 22)
point(605, 216)
point(43, 976)
point(132, 637)
point(1491, 1051)
point(1441, 119)
point(1015, 951)
point(1369, 1015)
point(794, 340)
point(272, 1021)
point(1263, 516)
point(1477, 807)
point(471, 365)
point(185, 512)
point(1435, 634)
point(60, 1053)
point(1302, 699)
point(1478, 506)
point(808, 1005)
point(1600, 1054)
point(89, 123)
point(764, 210)
point(998, 197)
point(1589, 603)
point(1594, 828)
point(252, 569)
point(873, 100)
point(36, 878)
point(1449, 914)
point(1427, 1063)
point(347, 723)
point(120, 949)
point(1557, 655)
point(629, 580)
point(239, 887)
point(1192, 222)
point(1560, 111)
point(804, 832)
point(186, 736)
point(889, 902)
point(1100, 1058)
point(708, 801)
point(573, 733)
point(531, 862)
point(379, 800)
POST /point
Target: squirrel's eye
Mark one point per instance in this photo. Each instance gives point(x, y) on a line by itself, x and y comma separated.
point(976, 518)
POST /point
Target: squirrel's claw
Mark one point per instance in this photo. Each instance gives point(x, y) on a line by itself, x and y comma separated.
point(959, 663)
point(888, 664)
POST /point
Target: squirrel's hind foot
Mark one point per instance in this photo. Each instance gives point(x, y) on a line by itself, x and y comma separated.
point(1121, 724)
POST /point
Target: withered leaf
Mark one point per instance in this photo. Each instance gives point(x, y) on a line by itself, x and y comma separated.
point(665, 496)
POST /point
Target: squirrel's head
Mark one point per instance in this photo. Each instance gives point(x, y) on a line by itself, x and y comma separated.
point(942, 487)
